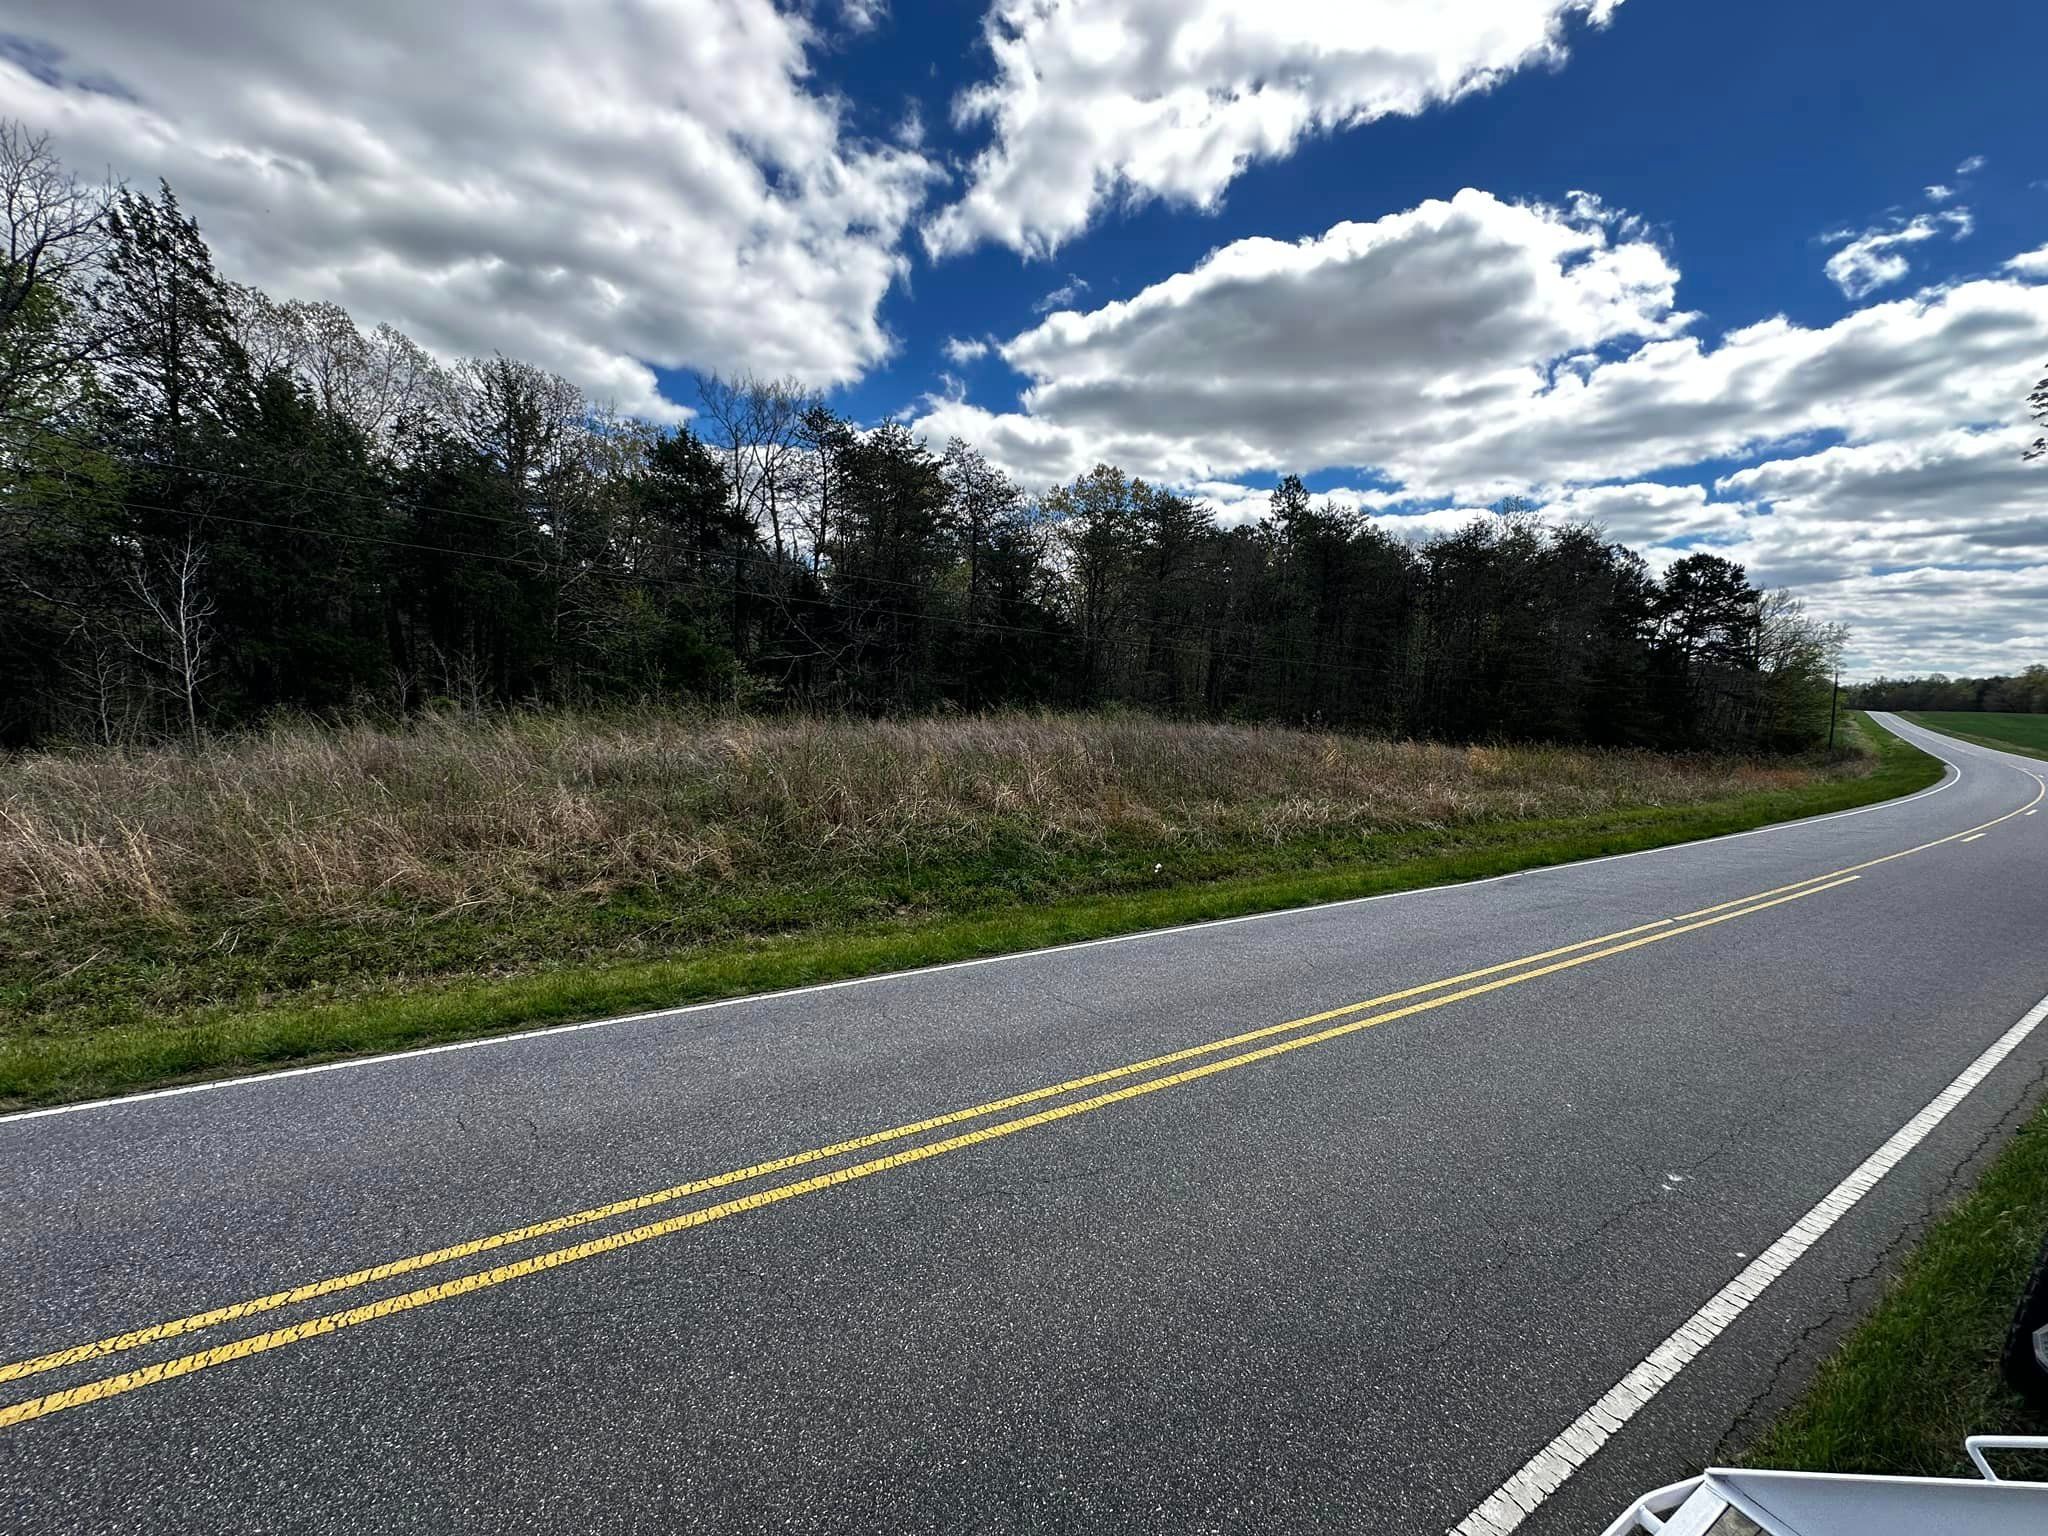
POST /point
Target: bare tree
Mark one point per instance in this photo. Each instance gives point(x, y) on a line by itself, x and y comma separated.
point(176, 644)
point(57, 235)
point(758, 424)
point(370, 380)
point(56, 225)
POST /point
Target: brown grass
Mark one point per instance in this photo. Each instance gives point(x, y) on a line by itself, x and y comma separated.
point(461, 812)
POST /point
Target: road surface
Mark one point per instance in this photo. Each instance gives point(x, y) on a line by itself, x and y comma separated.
point(1420, 1181)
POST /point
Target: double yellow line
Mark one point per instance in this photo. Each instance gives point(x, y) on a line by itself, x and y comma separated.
point(1355, 1016)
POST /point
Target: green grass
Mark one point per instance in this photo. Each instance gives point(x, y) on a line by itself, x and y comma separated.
point(2025, 734)
point(129, 1019)
point(1921, 1372)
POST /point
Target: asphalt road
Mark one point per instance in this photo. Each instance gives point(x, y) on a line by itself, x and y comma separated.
point(1349, 1284)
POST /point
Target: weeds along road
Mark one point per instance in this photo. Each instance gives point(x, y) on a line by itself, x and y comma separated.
point(1330, 1220)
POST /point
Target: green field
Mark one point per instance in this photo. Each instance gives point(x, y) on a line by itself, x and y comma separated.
point(2009, 733)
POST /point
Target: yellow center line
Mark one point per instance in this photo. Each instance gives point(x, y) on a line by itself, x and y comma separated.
point(177, 1327)
point(391, 1269)
point(240, 1349)
point(1967, 835)
point(313, 1290)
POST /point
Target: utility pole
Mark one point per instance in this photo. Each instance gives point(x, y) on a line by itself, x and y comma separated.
point(1834, 701)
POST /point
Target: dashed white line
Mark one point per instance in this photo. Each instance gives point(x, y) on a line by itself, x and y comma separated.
point(1547, 1471)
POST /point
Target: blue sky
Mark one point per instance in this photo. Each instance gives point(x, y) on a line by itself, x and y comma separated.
point(1771, 279)
point(1741, 130)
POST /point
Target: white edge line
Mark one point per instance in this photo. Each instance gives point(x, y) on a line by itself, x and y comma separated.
point(1545, 1472)
point(1949, 779)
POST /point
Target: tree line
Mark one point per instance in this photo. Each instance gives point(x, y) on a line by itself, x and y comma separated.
point(215, 506)
point(2026, 694)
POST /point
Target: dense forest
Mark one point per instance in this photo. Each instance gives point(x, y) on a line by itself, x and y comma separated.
point(216, 506)
point(2026, 694)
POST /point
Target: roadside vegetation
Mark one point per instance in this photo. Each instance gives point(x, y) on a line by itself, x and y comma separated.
point(676, 712)
point(1921, 1372)
point(306, 890)
point(2025, 734)
point(218, 507)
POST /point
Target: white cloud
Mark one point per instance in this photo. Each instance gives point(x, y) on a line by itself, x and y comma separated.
point(1971, 166)
point(1871, 260)
point(1937, 360)
point(1940, 619)
point(2030, 263)
point(595, 189)
point(1232, 504)
point(1951, 497)
point(863, 15)
point(961, 351)
point(1471, 348)
point(1337, 350)
point(1939, 193)
point(1099, 100)
point(1062, 297)
point(1649, 513)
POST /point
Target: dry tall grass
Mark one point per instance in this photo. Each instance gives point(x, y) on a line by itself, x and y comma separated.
point(456, 811)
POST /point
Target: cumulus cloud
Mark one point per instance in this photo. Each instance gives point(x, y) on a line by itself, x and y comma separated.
point(1467, 349)
point(1941, 619)
point(1937, 193)
point(1232, 504)
point(1336, 350)
point(1971, 166)
point(596, 189)
point(1476, 346)
point(1872, 259)
point(2030, 263)
point(1649, 514)
point(1098, 100)
point(960, 350)
point(1954, 497)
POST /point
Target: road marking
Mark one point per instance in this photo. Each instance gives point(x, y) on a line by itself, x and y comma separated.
point(390, 1269)
point(178, 1327)
point(239, 1349)
point(1949, 780)
point(1547, 1471)
point(1973, 837)
point(2030, 813)
point(313, 1290)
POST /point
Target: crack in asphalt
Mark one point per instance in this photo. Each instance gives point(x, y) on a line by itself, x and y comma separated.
point(1907, 1237)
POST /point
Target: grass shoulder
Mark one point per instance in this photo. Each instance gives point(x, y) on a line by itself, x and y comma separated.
point(1920, 1373)
point(97, 1000)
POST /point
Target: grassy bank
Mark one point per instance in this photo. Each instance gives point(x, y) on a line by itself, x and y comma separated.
point(308, 892)
point(1921, 1372)
point(2025, 734)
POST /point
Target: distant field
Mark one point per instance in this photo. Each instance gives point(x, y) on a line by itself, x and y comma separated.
point(308, 890)
point(2010, 733)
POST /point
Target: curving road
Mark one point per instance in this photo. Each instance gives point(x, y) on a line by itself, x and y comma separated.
point(1338, 1219)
